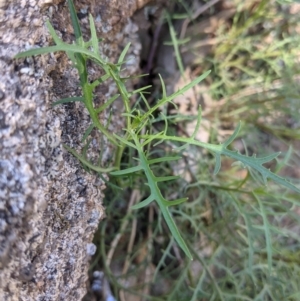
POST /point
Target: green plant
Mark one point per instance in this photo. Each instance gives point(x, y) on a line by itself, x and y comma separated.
point(141, 132)
point(243, 238)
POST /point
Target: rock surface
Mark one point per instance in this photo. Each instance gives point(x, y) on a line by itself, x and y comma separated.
point(49, 206)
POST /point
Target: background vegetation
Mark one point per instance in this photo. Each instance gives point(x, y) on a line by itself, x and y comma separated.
point(243, 236)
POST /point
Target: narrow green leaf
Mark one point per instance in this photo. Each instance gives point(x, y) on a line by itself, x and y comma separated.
point(165, 159)
point(130, 115)
point(87, 132)
point(67, 100)
point(179, 92)
point(199, 118)
point(233, 136)
point(134, 77)
point(126, 171)
point(63, 47)
point(166, 127)
point(163, 87)
point(107, 103)
point(284, 161)
point(269, 158)
point(122, 56)
point(75, 24)
point(176, 202)
point(175, 44)
point(174, 230)
point(84, 155)
point(257, 177)
point(145, 102)
point(144, 203)
point(58, 41)
point(217, 164)
point(167, 178)
point(139, 90)
point(38, 51)
point(267, 233)
point(85, 149)
point(99, 81)
point(94, 38)
point(53, 34)
point(110, 116)
point(124, 141)
point(86, 162)
point(154, 137)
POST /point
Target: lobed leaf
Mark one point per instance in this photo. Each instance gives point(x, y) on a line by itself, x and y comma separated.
point(253, 163)
point(155, 195)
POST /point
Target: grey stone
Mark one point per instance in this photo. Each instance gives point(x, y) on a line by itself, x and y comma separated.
point(49, 206)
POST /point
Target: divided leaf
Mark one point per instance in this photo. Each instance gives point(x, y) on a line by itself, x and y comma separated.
point(254, 163)
point(155, 193)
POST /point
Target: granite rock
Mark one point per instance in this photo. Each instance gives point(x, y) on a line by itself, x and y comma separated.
point(49, 206)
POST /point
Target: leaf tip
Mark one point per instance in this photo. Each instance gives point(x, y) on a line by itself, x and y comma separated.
point(218, 164)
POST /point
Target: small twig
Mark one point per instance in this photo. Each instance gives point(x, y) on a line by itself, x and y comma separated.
point(154, 44)
point(197, 13)
point(149, 269)
point(136, 195)
point(116, 240)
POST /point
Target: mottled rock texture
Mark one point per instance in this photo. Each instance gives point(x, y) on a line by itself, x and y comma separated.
point(49, 206)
